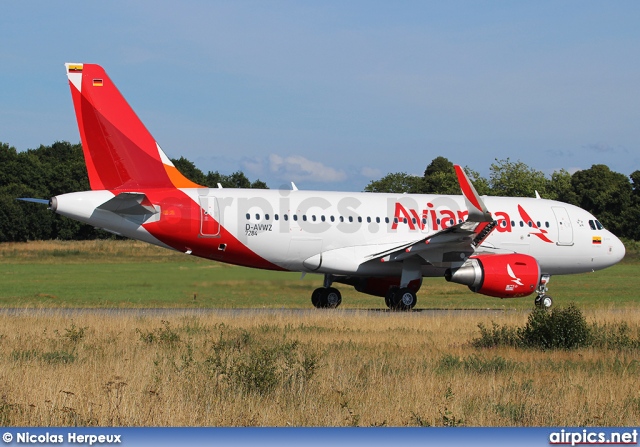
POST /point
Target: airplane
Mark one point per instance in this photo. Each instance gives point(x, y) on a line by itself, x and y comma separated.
point(380, 244)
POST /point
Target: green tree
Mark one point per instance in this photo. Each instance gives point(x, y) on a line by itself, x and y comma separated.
point(560, 188)
point(631, 215)
point(516, 179)
point(440, 177)
point(189, 170)
point(237, 180)
point(258, 184)
point(398, 182)
point(480, 183)
point(605, 194)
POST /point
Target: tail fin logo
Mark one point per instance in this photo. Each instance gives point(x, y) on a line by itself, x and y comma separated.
point(120, 153)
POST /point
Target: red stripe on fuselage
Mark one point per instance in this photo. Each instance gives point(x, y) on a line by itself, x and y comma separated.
point(179, 228)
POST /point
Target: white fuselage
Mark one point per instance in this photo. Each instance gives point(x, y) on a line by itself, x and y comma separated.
point(341, 233)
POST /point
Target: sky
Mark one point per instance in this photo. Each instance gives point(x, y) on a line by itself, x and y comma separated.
point(334, 94)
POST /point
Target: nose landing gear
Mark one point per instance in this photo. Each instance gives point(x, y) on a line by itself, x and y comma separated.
point(543, 300)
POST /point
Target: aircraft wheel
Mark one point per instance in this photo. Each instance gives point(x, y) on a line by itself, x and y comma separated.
point(543, 301)
point(332, 298)
point(388, 298)
point(405, 299)
point(316, 297)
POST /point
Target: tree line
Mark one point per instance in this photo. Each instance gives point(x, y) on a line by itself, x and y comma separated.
point(57, 169)
point(47, 171)
point(612, 197)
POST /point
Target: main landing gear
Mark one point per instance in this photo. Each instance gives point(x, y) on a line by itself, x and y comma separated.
point(400, 298)
point(326, 297)
point(403, 297)
point(543, 300)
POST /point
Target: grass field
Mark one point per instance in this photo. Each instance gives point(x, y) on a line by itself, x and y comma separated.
point(316, 368)
point(304, 368)
point(134, 274)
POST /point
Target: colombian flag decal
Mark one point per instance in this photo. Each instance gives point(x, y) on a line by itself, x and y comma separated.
point(97, 83)
point(75, 68)
point(597, 240)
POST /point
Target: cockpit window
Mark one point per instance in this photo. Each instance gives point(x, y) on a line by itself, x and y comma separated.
point(599, 225)
point(596, 225)
point(592, 224)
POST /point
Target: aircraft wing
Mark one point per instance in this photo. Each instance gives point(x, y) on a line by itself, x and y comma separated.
point(451, 246)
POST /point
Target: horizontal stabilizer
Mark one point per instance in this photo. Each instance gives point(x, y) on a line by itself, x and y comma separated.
point(129, 204)
point(32, 200)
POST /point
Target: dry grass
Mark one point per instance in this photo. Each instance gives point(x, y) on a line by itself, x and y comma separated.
point(301, 369)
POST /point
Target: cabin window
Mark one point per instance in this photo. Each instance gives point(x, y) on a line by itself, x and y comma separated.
point(377, 220)
point(257, 216)
point(295, 217)
point(304, 217)
point(249, 216)
point(333, 219)
point(359, 219)
point(275, 216)
point(266, 217)
point(350, 218)
point(286, 217)
point(368, 219)
point(341, 218)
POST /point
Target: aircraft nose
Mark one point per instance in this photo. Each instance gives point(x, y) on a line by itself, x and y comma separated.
point(616, 250)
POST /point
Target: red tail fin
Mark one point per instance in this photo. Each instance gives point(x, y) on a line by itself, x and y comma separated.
point(119, 151)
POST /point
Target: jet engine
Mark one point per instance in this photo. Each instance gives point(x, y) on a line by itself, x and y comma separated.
point(501, 275)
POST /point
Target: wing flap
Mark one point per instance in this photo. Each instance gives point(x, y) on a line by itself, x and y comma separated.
point(443, 248)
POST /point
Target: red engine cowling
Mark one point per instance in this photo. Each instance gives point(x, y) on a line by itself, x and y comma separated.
point(502, 276)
